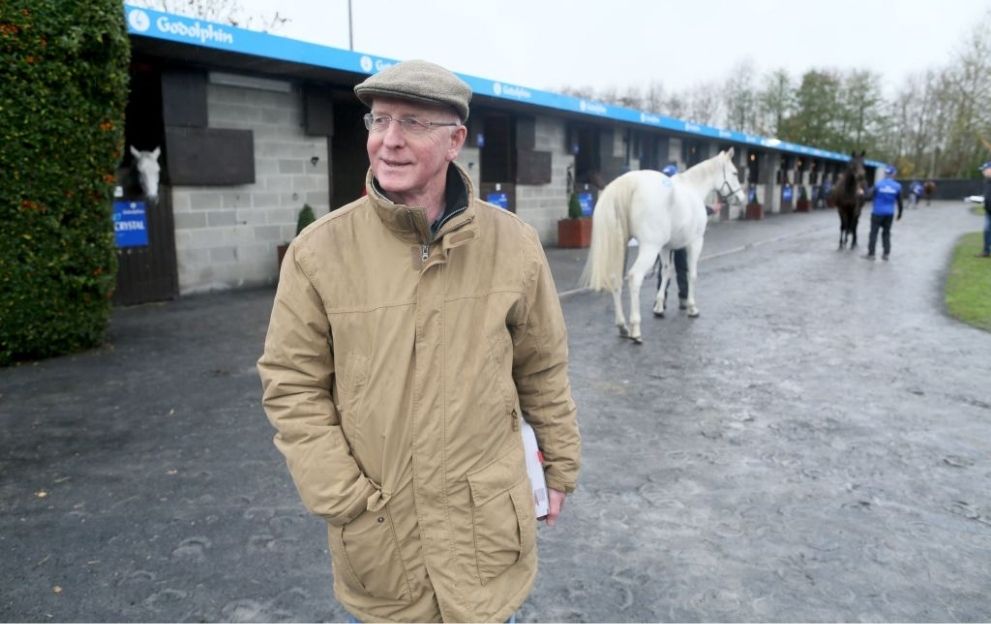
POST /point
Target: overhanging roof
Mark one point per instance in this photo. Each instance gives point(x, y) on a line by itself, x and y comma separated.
point(208, 43)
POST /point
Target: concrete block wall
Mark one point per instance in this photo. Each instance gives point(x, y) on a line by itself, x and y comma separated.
point(470, 160)
point(543, 205)
point(771, 198)
point(226, 237)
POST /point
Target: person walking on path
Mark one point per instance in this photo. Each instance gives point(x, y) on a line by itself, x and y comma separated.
point(885, 194)
point(411, 331)
point(986, 170)
point(914, 193)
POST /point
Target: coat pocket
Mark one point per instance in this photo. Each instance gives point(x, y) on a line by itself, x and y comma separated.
point(366, 555)
point(503, 519)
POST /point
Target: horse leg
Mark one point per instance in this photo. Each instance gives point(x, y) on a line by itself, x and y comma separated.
point(619, 319)
point(853, 228)
point(842, 230)
point(645, 259)
point(694, 252)
point(662, 289)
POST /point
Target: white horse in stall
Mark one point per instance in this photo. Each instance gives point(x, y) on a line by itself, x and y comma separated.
point(663, 214)
point(146, 164)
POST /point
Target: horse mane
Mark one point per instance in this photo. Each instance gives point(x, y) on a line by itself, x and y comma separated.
point(697, 174)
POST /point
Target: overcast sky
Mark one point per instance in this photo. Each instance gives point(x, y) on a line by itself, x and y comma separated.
point(546, 44)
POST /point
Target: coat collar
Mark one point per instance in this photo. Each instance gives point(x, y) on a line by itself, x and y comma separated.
point(409, 223)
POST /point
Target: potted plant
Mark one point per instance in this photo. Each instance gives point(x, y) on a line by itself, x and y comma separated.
point(803, 204)
point(576, 230)
point(305, 218)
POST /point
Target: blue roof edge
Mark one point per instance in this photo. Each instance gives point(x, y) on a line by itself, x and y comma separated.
point(144, 22)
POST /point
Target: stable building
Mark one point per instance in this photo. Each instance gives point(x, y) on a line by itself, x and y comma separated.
point(252, 126)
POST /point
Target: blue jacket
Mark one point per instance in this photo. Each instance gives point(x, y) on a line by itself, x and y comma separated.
point(886, 194)
point(987, 195)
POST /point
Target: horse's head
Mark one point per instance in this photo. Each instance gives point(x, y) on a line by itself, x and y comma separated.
point(148, 169)
point(730, 187)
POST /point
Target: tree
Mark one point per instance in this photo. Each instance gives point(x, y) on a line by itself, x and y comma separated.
point(704, 104)
point(653, 99)
point(228, 11)
point(631, 98)
point(775, 101)
point(938, 123)
point(63, 67)
point(968, 90)
point(740, 98)
point(863, 110)
point(586, 92)
point(815, 108)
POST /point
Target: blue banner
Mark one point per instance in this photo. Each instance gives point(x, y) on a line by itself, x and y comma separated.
point(170, 27)
point(587, 204)
point(130, 225)
point(786, 193)
point(499, 199)
point(752, 195)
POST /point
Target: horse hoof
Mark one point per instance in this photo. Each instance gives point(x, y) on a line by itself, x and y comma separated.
point(624, 333)
point(693, 314)
point(637, 340)
point(658, 314)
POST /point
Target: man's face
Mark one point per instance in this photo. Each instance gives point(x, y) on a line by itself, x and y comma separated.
point(405, 164)
point(987, 172)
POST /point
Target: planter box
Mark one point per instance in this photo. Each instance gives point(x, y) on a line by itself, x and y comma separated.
point(803, 205)
point(755, 211)
point(574, 233)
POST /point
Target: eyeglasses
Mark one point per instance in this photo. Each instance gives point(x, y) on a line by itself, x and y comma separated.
point(409, 125)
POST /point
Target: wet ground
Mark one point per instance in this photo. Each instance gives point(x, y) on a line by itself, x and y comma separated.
point(815, 447)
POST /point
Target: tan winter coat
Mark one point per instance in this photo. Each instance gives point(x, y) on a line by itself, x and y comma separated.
point(396, 373)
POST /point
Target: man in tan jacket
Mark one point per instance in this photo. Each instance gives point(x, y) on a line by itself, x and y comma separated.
point(411, 331)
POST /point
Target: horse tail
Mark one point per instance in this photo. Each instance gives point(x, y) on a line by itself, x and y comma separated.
point(604, 266)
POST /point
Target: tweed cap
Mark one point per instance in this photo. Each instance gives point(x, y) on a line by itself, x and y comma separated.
point(419, 81)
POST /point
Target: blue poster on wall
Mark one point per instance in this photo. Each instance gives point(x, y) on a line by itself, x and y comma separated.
point(499, 199)
point(786, 193)
point(585, 200)
point(130, 224)
point(752, 195)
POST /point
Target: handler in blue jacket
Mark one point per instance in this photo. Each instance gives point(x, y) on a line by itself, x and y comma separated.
point(680, 259)
point(885, 194)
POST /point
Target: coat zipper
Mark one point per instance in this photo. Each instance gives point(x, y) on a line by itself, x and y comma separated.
point(424, 252)
point(516, 423)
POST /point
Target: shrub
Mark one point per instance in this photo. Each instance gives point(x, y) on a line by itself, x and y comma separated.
point(574, 207)
point(305, 218)
point(63, 67)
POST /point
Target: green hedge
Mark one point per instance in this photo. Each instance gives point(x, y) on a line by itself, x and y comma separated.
point(63, 88)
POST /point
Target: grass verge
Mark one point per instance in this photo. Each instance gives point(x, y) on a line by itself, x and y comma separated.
point(968, 285)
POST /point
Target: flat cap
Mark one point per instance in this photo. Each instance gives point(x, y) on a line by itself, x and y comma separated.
point(986, 165)
point(420, 81)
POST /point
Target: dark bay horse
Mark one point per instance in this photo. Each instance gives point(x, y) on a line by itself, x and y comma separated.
point(848, 197)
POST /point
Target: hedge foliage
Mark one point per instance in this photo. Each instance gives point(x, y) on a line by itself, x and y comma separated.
point(64, 73)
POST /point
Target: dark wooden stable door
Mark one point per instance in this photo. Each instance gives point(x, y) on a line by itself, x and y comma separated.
point(148, 273)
